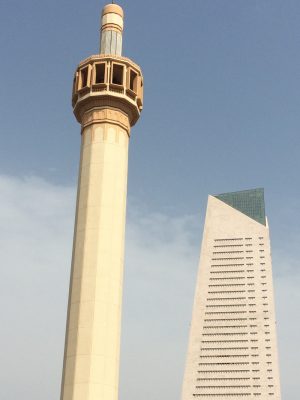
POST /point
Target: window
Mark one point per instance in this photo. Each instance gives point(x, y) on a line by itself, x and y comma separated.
point(75, 83)
point(117, 74)
point(100, 73)
point(133, 81)
point(84, 77)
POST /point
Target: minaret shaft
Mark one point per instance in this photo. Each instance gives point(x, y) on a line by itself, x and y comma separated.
point(93, 339)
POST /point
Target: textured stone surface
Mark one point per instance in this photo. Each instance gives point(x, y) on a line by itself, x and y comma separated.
point(93, 336)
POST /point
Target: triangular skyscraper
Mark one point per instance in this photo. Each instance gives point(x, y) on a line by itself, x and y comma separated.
point(232, 351)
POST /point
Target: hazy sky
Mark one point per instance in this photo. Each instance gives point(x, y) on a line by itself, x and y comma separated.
point(221, 113)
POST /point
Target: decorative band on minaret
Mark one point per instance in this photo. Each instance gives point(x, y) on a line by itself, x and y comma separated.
point(107, 100)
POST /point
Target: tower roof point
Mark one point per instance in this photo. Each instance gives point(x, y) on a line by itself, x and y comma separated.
point(113, 8)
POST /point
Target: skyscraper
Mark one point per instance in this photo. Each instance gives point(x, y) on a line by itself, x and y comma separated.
point(232, 351)
point(107, 100)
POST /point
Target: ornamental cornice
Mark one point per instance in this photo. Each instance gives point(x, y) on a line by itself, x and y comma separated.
point(109, 115)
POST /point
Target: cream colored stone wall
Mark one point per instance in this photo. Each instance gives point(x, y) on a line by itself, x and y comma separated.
point(94, 316)
point(232, 350)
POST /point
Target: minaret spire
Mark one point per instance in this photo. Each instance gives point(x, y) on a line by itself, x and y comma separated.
point(111, 30)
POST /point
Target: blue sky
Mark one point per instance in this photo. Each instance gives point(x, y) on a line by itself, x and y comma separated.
point(221, 113)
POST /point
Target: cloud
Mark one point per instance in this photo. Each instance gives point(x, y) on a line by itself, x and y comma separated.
point(162, 252)
point(35, 245)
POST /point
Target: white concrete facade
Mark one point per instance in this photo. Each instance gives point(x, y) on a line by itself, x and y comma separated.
point(232, 351)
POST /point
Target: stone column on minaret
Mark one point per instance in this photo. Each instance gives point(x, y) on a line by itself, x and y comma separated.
point(107, 101)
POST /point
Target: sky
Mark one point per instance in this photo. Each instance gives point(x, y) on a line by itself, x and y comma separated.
point(221, 113)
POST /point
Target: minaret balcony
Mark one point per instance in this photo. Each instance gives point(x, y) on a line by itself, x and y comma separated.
point(108, 81)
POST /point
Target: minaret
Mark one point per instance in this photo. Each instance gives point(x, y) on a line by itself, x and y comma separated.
point(107, 101)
